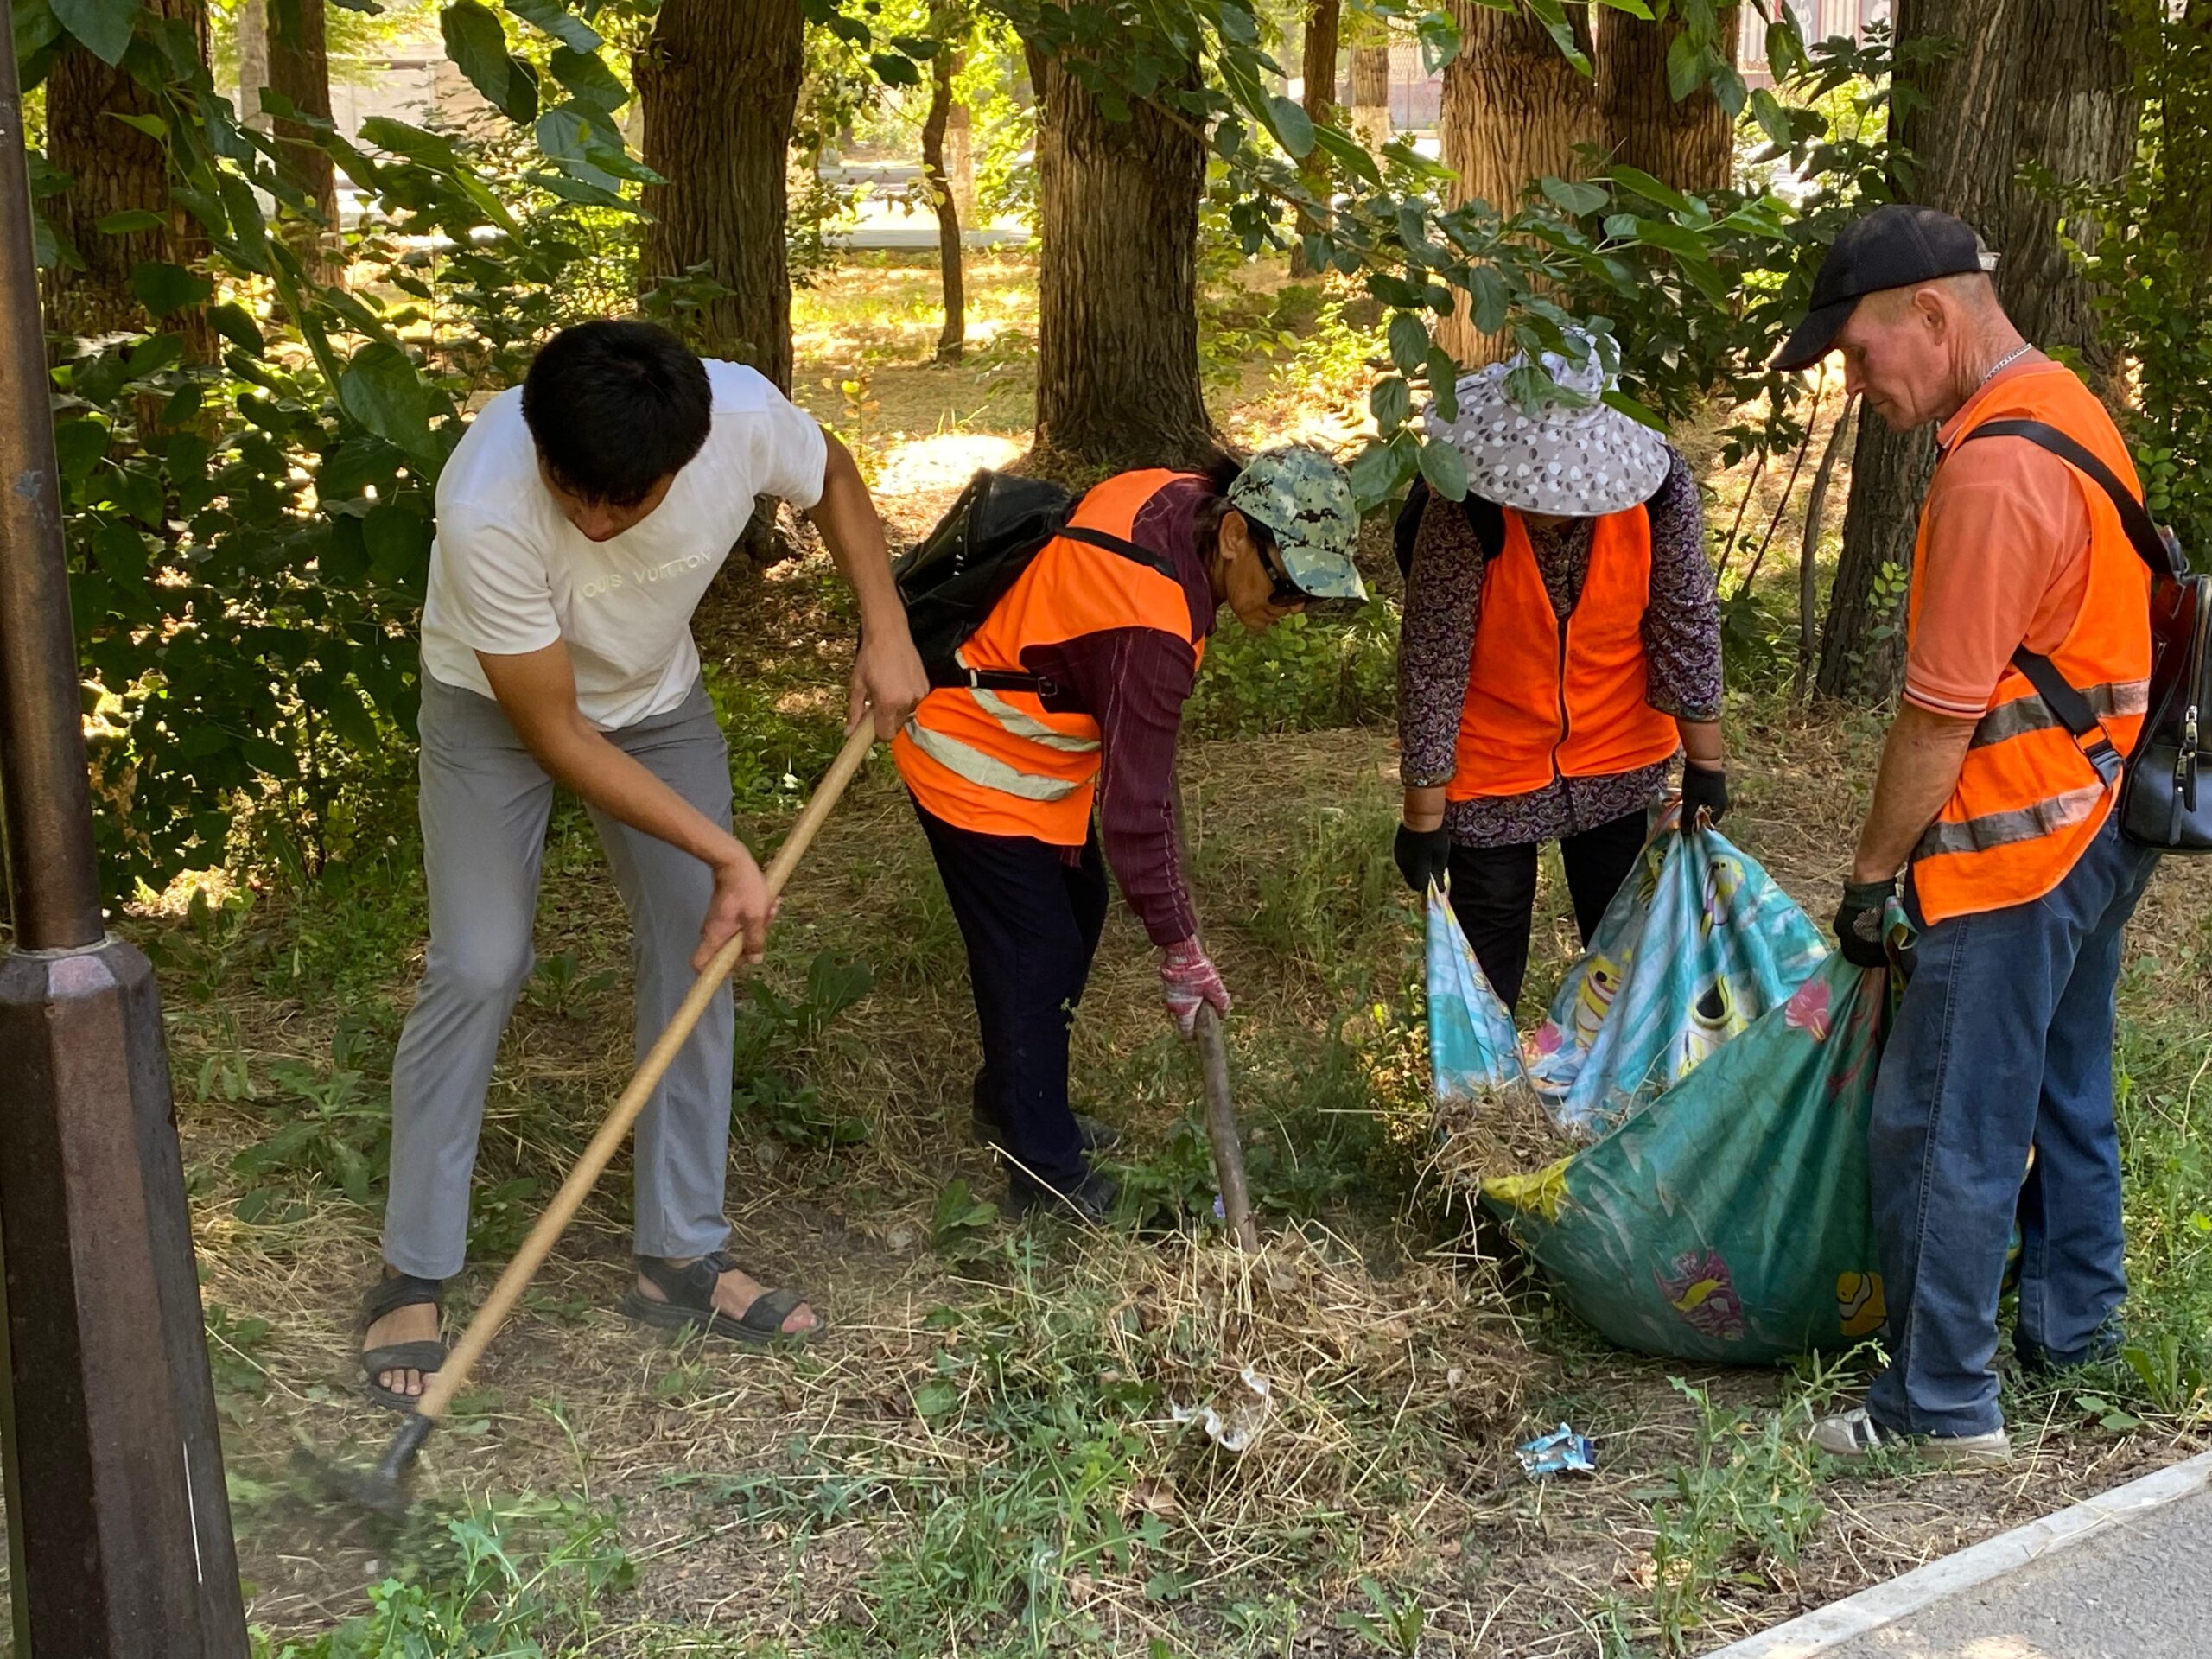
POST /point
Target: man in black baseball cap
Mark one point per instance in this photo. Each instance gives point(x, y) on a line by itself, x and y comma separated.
point(1898, 246)
point(2017, 878)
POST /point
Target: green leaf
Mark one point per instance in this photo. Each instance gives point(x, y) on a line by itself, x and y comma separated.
point(1654, 190)
point(1410, 341)
point(381, 390)
point(398, 541)
point(1493, 302)
point(1774, 120)
point(1579, 200)
point(122, 224)
point(1293, 127)
point(559, 22)
point(413, 143)
point(477, 43)
point(162, 287)
point(1685, 67)
point(77, 445)
point(236, 324)
point(1348, 153)
point(894, 69)
point(1445, 469)
point(1376, 471)
point(152, 125)
point(1438, 32)
point(1443, 384)
point(588, 78)
point(936, 1397)
point(1390, 401)
point(1633, 410)
point(36, 28)
point(103, 27)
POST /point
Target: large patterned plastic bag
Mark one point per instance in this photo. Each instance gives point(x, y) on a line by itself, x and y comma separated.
point(1698, 943)
point(1728, 1219)
point(1727, 1068)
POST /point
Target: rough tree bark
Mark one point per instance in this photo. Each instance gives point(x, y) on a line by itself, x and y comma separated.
point(952, 339)
point(2034, 81)
point(1514, 110)
point(720, 84)
point(1117, 328)
point(1318, 63)
point(1371, 94)
point(114, 168)
point(298, 69)
point(1691, 146)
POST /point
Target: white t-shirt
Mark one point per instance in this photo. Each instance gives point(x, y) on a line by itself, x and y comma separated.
point(509, 573)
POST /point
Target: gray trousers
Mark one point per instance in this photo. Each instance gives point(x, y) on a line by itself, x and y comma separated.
point(485, 804)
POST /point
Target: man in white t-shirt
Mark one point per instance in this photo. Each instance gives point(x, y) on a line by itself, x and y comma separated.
point(579, 522)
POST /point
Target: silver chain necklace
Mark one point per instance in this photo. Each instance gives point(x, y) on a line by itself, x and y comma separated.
point(2005, 362)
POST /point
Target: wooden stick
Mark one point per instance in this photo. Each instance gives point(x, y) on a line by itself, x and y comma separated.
point(453, 1375)
point(1221, 1130)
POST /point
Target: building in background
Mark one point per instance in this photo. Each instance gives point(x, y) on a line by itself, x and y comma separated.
point(1820, 20)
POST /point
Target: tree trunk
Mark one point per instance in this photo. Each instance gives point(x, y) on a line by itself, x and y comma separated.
point(2040, 81)
point(953, 339)
point(1371, 94)
point(298, 69)
point(720, 84)
point(1117, 321)
point(1514, 110)
point(115, 169)
point(1690, 145)
point(253, 62)
point(960, 161)
point(1318, 63)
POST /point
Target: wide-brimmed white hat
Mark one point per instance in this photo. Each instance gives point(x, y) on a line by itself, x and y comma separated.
point(1575, 461)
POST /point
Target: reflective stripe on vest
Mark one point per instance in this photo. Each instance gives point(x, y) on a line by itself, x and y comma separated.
point(2029, 799)
point(999, 762)
point(1547, 699)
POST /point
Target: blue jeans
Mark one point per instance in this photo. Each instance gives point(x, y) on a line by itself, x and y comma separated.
point(2003, 1043)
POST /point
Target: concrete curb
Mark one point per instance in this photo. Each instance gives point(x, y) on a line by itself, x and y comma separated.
point(1829, 1627)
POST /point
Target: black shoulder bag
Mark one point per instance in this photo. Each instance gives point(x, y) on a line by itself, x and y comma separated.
point(2161, 805)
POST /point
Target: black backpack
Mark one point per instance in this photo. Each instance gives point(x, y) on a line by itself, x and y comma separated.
point(952, 578)
point(2160, 804)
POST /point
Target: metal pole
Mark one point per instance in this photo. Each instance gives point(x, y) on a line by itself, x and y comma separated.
point(52, 879)
point(118, 1527)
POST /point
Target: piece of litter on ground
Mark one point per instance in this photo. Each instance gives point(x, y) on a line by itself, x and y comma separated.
point(1559, 1453)
point(1219, 1213)
point(1233, 1418)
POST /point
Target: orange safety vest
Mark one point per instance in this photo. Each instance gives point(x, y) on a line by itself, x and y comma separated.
point(2029, 800)
point(998, 762)
point(1547, 699)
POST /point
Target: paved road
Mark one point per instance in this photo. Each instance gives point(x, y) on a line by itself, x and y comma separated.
point(2138, 1590)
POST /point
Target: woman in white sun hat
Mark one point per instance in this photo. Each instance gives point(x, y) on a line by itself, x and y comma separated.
point(1561, 645)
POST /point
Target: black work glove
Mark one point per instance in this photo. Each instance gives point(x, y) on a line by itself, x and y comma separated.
point(1861, 921)
point(1421, 855)
point(1703, 788)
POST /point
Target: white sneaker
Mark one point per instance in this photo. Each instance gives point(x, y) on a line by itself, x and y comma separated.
point(1854, 1435)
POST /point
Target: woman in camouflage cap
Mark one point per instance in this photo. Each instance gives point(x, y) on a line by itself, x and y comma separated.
point(1075, 687)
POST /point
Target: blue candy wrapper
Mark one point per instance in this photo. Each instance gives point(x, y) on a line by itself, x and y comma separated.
point(1560, 1451)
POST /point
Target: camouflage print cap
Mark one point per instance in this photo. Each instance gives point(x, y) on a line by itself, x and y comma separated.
point(1305, 499)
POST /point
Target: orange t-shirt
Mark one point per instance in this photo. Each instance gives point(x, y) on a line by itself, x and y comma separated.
point(2007, 561)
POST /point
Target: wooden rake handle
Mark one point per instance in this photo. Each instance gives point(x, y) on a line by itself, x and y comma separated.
point(453, 1375)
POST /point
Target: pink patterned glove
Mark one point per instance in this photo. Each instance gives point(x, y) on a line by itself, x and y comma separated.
point(1188, 977)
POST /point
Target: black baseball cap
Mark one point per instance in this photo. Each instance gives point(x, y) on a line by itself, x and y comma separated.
point(1895, 246)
